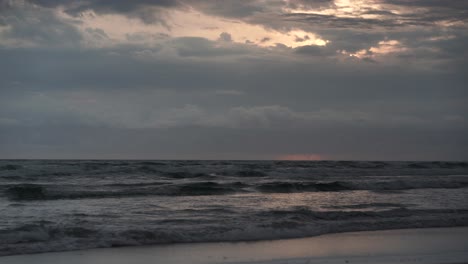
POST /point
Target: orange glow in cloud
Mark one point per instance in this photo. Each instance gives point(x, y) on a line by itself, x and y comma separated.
point(301, 157)
point(187, 23)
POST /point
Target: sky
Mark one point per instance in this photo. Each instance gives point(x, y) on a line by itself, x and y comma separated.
point(234, 79)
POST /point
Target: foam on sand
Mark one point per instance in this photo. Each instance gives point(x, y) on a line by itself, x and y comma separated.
point(435, 245)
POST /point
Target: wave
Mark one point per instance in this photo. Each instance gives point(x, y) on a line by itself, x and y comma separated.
point(10, 167)
point(305, 213)
point(396, 185)
point(136, 184)
point(367, 205)
point(185, 174)
point(26, 192)
point(289, 187)
point(437, 164)
point(45, 236)
point(41, 232)
point(373, 164)
point(250, 173)
point(204, 188)
point(17, 192)
point(57, 171)
point(54, 192)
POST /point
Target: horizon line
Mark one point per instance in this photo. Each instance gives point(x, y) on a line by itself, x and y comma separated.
point(146, 159)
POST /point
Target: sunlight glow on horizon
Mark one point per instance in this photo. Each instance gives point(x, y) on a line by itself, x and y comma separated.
point(301, 157)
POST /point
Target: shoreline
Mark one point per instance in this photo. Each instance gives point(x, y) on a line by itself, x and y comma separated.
point(422, 245)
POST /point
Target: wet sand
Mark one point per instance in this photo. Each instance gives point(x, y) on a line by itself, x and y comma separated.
point(431, 245)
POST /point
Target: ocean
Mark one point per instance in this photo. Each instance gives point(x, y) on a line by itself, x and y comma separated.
point(57, 205)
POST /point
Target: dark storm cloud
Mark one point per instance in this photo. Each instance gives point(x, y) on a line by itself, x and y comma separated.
point(313, 84)
point(4, 5)
point(259, 12)
point(315, 50)
point(104, 6)
point(427, 14)
point(229, 8)
point(135, 8)
point(225, 37)
point(119, 67)
point(337, 22)
point(309, 3)
point(122, 67)
point(455, 4)
point(349, 40)
point(38, 26)
point(201, 47)
point(391, 21)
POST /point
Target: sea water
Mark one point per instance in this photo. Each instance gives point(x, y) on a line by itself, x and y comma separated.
point(55, 205)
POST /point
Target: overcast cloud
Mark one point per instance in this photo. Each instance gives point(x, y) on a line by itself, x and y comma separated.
point(208, 79)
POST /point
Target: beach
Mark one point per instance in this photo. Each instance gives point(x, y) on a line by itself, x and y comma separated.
point(429, 245)
point(248, 132)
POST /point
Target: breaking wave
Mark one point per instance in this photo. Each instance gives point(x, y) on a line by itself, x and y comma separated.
point(47, 236)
